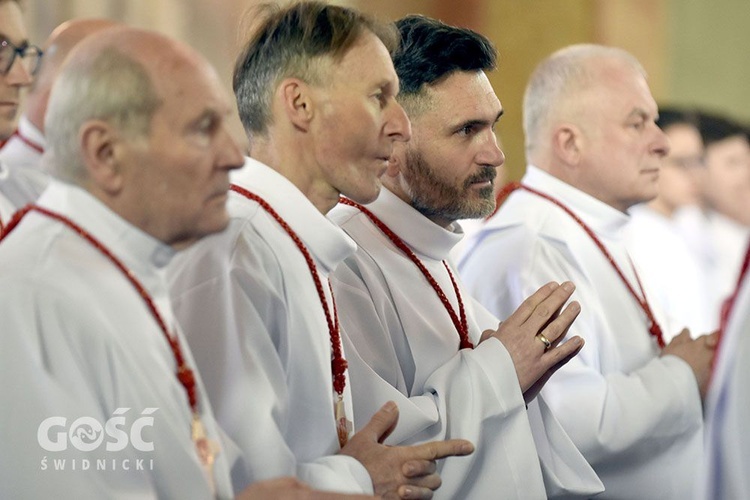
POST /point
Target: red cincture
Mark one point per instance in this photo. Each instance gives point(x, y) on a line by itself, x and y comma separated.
point(33, 145)
point(338, 363)
point(184, 373)
point(461, 324)
point(654, 328)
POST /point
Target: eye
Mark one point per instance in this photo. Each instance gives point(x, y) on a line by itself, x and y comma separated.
point(639, 125)
point(466, 130)
point(381, 98)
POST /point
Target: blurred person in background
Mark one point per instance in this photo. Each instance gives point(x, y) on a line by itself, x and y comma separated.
point(717, 229)
point(653, 240)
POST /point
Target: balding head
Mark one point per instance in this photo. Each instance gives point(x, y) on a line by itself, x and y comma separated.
point(57, 47)
point(556, 86)
point(141, 122)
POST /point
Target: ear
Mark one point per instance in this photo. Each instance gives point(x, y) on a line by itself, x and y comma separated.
point(296, 101)
point(567, 143)
point(100, 146)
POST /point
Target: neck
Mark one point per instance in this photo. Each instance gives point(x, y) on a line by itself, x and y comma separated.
point(402, 192)
point(659, 206)
point(291, 161)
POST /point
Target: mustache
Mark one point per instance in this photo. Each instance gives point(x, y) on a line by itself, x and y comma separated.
point(486, 174)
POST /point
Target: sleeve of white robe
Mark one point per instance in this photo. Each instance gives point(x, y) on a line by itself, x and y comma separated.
point(478, 388)
point(54, 362)
point(607, 415)
point(235, 318)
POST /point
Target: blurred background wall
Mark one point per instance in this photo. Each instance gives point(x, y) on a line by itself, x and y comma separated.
point(695, 51)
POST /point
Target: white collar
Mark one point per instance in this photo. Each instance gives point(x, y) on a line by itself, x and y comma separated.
point(602, 218)
point(30, 132)
point(139, 251)
point(420, 233)
point(328, 243)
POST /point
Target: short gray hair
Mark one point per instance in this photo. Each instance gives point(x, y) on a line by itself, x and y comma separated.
point(291, 42)
point(111, 87)
point(560, 77)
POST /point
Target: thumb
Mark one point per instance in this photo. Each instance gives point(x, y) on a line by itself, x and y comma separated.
point(382, 423)
point(683, 336)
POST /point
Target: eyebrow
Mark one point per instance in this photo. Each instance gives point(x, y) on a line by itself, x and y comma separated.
point(479, 123)
point(639, 113)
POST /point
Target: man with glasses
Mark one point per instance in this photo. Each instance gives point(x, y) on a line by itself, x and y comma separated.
point(25, 147)
point(18, 63)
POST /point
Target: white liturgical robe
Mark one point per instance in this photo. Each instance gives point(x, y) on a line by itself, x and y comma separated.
point(674, 274)
point(18, 187)
point(18, 153)
point(636, 416)
point(92, 407)
point(728, 407)
point(254, 321)
point(403, 346)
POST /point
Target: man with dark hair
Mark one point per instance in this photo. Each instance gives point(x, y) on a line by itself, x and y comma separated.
point(717, 229)
point(18, 62)
point(316, 89)
point(413, 334)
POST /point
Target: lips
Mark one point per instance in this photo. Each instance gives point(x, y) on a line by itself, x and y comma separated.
point(485, 175)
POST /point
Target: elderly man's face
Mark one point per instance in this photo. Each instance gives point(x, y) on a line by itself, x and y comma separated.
point(11, 84)
point(182, 168)
point(622, 148)
point(359, 120)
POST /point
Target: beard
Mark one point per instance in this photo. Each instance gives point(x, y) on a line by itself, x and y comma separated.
point(435, 198)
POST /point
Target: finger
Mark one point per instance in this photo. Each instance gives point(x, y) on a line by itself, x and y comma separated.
point(683, 336)
point(429, 482)
point(409, 491)
point(417, 468)
point(527, 307)
point(435, 450)
point(382, 423)
point(488, 333)
point(712, 340)
point(558, 356)
point(558, 328)
point(549, 306)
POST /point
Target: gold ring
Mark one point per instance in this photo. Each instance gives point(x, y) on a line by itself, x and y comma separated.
point(544, 340)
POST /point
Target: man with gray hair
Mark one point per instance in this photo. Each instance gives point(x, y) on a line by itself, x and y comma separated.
point(101, 398)
point(631, 400)
point(316, 90)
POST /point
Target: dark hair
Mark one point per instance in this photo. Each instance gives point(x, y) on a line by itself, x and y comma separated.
point(669, 116)
point(287, 42)
point(431, 50)
point(715, 128)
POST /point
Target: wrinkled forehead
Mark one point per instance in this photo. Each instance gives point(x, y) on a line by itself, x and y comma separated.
point(188, 88)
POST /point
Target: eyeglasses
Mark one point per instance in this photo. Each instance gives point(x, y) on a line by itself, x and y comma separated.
point(30, 56)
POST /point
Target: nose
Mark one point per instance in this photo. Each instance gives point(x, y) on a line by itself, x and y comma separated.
point(397, 125)
point(490, 153)
point(660, 144)
point(18, 74)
